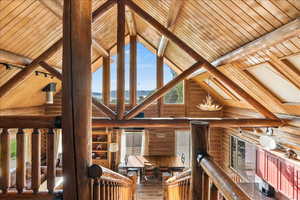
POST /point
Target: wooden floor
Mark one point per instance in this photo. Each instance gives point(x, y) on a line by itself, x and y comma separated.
point(149, 192)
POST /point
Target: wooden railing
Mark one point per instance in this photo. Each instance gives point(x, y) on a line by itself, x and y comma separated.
point(109, 185)
point(178, 187)
point(26, 180)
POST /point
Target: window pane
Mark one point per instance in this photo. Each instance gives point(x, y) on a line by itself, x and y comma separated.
point(113, 80)
point(175, 95)
point(233, 152)
point(146, 72)
point(97, 84)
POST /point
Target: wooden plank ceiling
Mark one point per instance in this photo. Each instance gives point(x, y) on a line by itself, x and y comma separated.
point(212, 28)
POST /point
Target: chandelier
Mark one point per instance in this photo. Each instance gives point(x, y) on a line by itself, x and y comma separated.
point(209, 104)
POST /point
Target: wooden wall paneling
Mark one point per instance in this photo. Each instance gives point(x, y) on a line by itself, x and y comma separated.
point(286, 182)
point(161, 142)
point(121, 59)
point(77, 101)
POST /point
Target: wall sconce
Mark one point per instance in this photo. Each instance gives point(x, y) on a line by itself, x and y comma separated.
point(49, 89)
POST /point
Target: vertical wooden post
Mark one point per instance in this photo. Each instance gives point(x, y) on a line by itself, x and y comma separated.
point(50, 161)
point(5, 161)
point(106, 80)
point(199, 141)
point(20, 173)
point(76, 103)
point(96, 190)
point(160, 82)
point(133, 70)
point(121, 59)
point(36, 160)
point(186, 97)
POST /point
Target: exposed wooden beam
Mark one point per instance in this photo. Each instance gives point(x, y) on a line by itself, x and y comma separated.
point(106, 80)
point(184, 123)
point(280, 34)
point(133, 70)
point(17, 59)
point(285, 69)
point(211, 69)
point(103, 108)
point(25, 73)
point(130, 21)
point(175, 7)
point(52, 122)
point(160, 82)
point(22, 75)
point(13, 58)
point(162, 91)
point(52, 70)
point(77, 101)
point(57, 9)
point(121, 59)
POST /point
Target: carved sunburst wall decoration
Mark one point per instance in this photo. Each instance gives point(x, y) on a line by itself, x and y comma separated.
point(209, 104)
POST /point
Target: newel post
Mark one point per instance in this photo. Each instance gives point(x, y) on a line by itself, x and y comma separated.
point(199, 133)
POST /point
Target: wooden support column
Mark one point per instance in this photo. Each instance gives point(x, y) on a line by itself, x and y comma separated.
point(160, 82)
point(36, 160)
point(186, 97)
point(21, 168)
point(199, 147)
point(121, 59)
point(133, 70)
point(77, 104)
point(106, 80)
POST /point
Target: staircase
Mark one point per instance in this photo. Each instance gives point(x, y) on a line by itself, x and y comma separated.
point(149, 192)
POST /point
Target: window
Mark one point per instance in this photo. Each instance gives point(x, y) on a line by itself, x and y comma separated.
point(183, 146)
point(175, 95)
point(97, 84)
point(134, 141)
point(243, 158)
point(146, 72)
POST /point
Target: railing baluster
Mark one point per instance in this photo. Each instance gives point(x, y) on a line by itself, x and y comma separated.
point(36, 160)
point(5, 161)
point(50, 161)
point(102, 190)
point(96, 190)
point(107, 191)
point(20, 173)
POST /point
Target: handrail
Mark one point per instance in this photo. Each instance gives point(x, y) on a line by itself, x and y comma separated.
point(179, 177)
point(110, 185)
point(221, 180)
point(30, 122)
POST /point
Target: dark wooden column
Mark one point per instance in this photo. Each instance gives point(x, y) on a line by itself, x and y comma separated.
point(133, 70)
point(77, 104)
point(121, 59)
point(160, 82)
point(106, 80)
point(199, 147)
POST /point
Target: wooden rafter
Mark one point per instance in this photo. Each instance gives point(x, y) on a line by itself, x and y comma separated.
point(103, 108)
point(211, 69)
point(25, 73)
point(280, 34)
point(162, 91)
point(175, 7)
point(57, 9)
point(121, 59)
point(22, 75)
point(285, 69)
